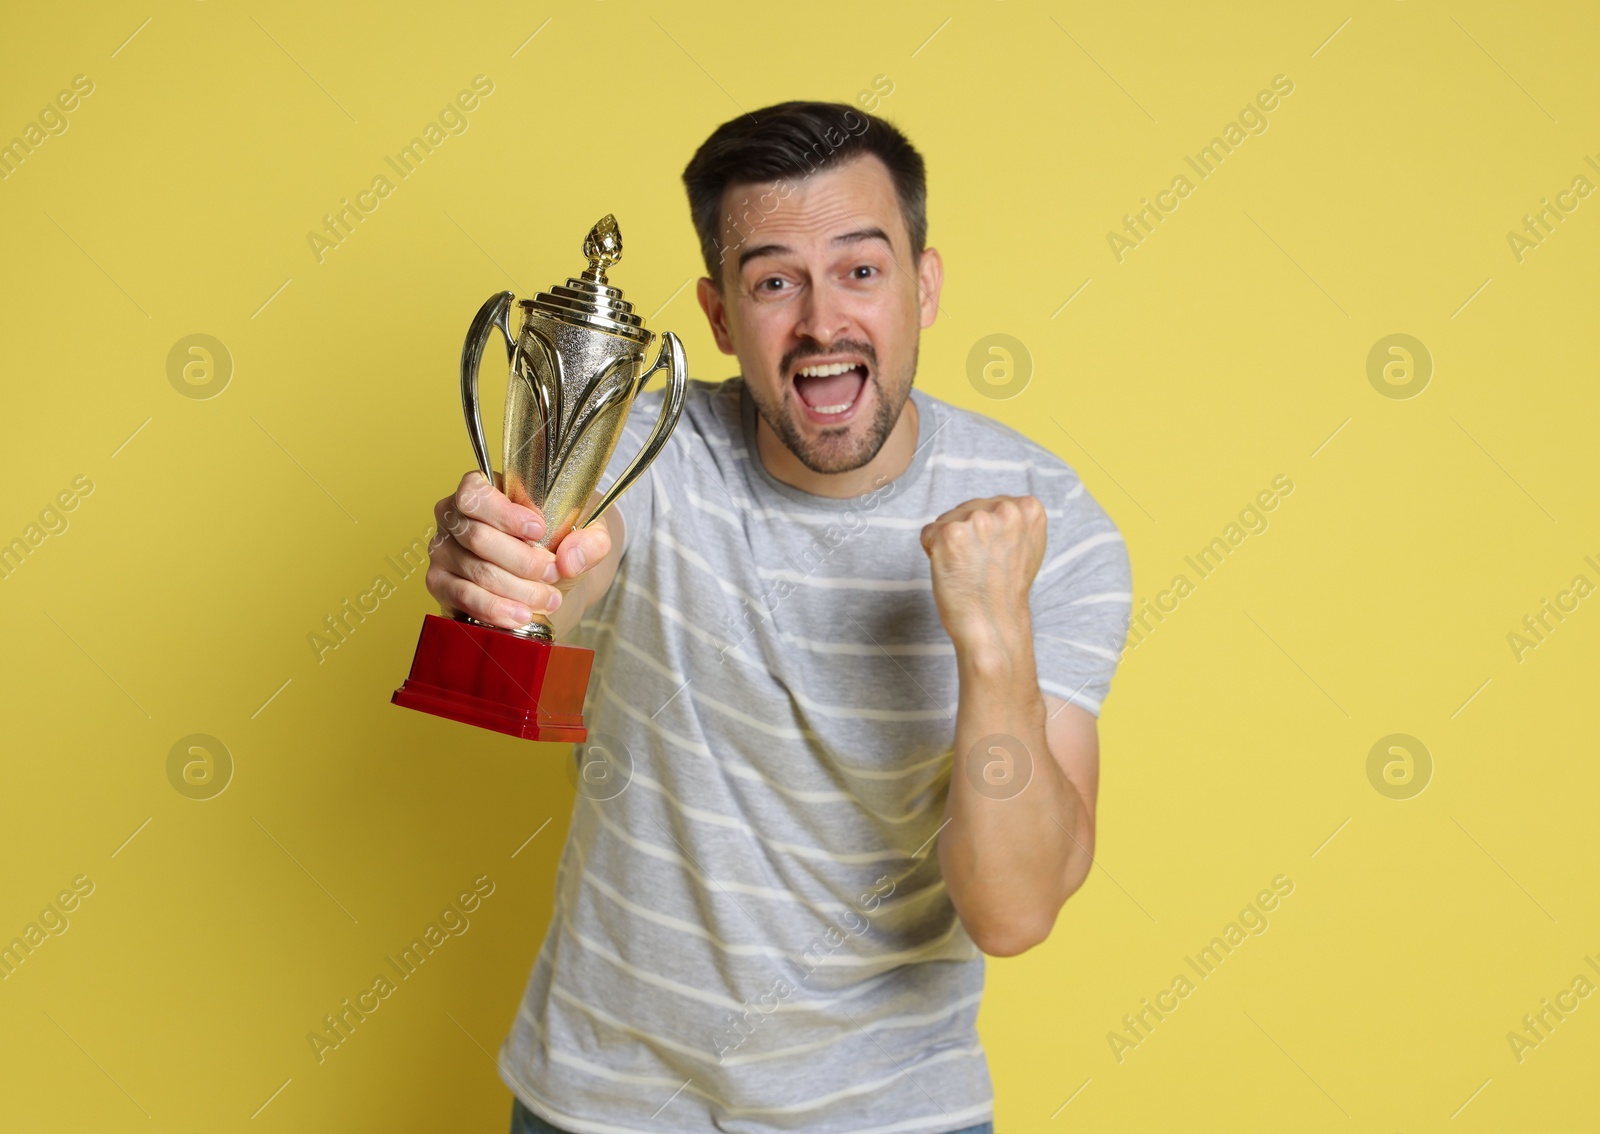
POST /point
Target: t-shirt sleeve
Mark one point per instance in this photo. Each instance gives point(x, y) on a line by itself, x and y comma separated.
point(1081, 598)
point(637, 503)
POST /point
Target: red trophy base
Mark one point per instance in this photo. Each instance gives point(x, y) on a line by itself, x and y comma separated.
point(493, 679)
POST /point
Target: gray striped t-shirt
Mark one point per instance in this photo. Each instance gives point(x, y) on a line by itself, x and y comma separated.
point(751, 933)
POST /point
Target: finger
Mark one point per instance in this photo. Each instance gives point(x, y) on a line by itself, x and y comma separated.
point(458, 561)
point(519, 557)
point(967, 507)
point(477, 499)
point(466, 597)
point(582, 549)
point(1007, 512)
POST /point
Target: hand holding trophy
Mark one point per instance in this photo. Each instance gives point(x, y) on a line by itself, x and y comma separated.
point(576, 356)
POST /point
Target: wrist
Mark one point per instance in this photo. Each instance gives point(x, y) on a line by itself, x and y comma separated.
point(994, 648)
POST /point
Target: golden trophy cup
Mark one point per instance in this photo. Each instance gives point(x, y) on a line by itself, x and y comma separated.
point(576, 355)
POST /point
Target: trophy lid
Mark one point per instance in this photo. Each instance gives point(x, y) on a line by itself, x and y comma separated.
point(589, 301)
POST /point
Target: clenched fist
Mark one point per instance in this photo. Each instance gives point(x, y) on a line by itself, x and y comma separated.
point(984, 555)
point(486, 561)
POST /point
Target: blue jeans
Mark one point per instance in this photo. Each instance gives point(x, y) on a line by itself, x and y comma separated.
point(524, 1121)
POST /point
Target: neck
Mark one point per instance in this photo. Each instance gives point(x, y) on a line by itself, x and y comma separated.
point(891, 460)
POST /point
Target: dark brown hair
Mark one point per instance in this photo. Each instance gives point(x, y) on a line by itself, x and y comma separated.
point(795, 139)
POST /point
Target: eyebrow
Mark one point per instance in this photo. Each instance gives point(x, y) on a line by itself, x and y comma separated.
point(856, 237)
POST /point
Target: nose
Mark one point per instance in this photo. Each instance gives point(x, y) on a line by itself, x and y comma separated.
point(823, 315)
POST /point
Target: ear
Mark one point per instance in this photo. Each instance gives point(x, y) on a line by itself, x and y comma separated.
point(930, 279)
point(716, 310)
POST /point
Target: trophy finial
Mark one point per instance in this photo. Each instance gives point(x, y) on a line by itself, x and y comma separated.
point(603, 247)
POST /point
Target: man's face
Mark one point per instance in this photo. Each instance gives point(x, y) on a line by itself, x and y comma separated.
point(823, 305)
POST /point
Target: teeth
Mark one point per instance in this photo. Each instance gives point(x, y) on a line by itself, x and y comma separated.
point(825, 371)
point(832, 409)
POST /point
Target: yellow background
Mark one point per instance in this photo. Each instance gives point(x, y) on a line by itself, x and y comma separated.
point(1226, 350)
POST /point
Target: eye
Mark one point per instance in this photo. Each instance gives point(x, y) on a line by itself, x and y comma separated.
point(863, 272)
point(772, 284)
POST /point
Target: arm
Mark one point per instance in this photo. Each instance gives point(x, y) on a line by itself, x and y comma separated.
point(1018, 837)
point(585, 583)
point(484, 561)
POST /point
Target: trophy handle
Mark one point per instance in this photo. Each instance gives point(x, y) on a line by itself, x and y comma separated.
point(669, 358)
point(496, 312)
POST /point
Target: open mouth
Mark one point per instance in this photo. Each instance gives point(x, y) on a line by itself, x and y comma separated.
point(830, 390)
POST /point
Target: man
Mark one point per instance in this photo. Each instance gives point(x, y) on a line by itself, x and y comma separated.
point(851, 643)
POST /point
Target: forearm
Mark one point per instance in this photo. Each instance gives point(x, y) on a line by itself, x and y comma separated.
point(1018, 838)
point(576, 600)
point(589, 581)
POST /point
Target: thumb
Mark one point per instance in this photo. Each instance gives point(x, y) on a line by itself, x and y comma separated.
point(582, 549)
